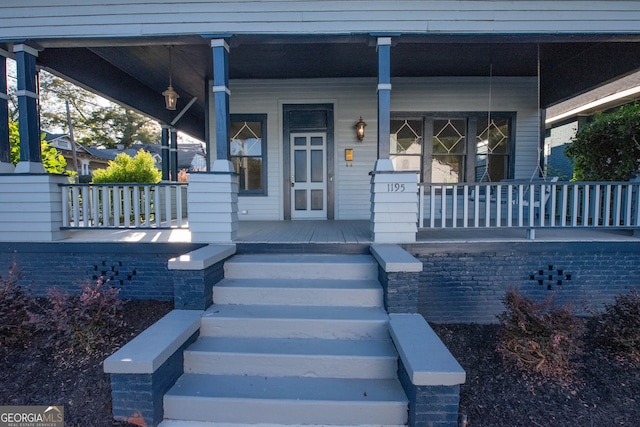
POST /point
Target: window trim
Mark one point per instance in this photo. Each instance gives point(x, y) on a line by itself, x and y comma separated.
point(262, 118)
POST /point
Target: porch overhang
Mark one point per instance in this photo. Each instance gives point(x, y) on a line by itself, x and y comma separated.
point(135, 71)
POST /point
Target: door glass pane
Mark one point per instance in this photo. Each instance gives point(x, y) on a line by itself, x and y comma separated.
point(449, 136)
point(300, 141)
point(300, 166)
point(300, 200)
point(316, 200)
point(317, 140)
point(317, 166)
point(446, 169)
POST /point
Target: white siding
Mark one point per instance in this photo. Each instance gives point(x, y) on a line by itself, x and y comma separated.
point(353, 98)
point(33, 19)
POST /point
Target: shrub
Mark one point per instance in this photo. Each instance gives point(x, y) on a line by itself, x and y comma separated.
point(85, 322)
point(125, 169)
point(618, 327)
point(538, 337)
point(15, 306)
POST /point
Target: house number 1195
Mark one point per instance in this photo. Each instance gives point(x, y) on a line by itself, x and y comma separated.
point(395, 187)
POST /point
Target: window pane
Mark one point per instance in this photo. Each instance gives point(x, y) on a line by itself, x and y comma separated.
point(300, 166)
point(492, 137)
point(447, 169)
point(406, 137)
point(316, 200)
point(492, 168)
point(317, 166)
point(300, 141)
point(317, 140)
point(449, 136)
point(406, 163)
point(246, 138)
point(249, 170)
point(301, 200)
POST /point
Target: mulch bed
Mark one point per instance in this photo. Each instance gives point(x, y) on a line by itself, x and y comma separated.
point(605, 391)
point(33, 374)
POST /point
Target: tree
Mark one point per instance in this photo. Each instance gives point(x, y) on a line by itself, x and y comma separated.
point(124, 168)
point(608, 148)
point(52, 161)
point(95, 120)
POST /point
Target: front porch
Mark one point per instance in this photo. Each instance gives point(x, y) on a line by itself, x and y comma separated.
point(350, 232)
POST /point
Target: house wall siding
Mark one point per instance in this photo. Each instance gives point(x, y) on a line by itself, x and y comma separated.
point(355, 98)
point(118, 18)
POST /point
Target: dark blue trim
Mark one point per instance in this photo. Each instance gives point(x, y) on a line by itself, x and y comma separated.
point(384, 101)
point(5, 148)
point(28, 119)
point(262, 118)
point(173, 155)
point(221, 101)
point(165, 153)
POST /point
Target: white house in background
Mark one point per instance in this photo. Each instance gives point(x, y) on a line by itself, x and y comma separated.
point(276, 88)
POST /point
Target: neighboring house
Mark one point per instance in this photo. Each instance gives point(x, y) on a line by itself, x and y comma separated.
point(565, 119)
point(191, 155)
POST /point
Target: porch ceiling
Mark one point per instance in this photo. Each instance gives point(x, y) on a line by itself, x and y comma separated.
point(135, 72)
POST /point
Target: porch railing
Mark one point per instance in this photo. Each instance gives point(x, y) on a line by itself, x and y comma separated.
point(124, 205)
point(529, 204)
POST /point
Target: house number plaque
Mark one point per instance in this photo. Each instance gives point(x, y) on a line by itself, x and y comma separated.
point(395, 187)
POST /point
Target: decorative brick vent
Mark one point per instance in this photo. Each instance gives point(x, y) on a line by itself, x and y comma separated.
point(114, 272)
point(550, 277)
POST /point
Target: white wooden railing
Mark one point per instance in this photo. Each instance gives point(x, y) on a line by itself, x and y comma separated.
point(530, 204)
point(124, 205)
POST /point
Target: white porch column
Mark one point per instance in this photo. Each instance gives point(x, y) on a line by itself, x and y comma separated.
point(394, 195)
point(394, 205)
point(31, 207)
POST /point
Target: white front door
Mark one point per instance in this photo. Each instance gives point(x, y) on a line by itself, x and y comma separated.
point(308, 175)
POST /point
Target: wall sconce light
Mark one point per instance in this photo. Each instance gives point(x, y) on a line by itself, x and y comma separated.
point(170, 95)
point(360, 129)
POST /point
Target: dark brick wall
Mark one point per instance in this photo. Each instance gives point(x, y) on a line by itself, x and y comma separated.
point(400, 291)
point(193, 289)
point(141, 395)
point(139, 270)
point(466, 282)
point(430, 406)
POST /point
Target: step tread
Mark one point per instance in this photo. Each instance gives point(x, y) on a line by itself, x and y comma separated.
point(302, 259)
point(375, 314)
point(299, 389)
point(338, 284)
point(295, 347)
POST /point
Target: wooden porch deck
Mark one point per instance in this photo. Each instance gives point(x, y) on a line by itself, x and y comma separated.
point(350, 232)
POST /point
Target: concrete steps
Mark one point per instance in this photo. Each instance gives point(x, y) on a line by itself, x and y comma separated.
point(291, 340)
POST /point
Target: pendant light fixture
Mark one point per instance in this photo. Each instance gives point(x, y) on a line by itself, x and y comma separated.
point(170, 95)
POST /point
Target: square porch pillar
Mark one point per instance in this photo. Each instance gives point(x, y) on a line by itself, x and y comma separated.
point(164, 141)
point(213, 204)
point(29, 119)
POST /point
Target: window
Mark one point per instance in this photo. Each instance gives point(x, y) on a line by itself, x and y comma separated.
point(443, 148)
point(248, 152)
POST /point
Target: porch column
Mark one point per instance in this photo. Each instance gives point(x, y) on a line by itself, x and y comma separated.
point(5, 149)
point(165, 152)
point(174, 154)
point(213, 197)
point(29, 120)
point(394, 195)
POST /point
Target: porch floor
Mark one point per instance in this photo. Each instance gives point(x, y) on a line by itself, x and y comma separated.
point(356, 231)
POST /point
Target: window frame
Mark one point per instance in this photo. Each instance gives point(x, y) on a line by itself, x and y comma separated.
point(469, 152)
point(262, 118)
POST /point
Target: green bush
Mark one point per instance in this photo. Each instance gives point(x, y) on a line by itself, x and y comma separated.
point(125, 169)
point(538, 337)
point(608, 147)
point(618, 327)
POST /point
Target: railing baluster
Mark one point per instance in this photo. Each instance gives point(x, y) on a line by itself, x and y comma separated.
point(607, 206)
point(157, 203)
point(554, 205)
point(596, 205)
point(532, 197)
point(637, 205)
point(617, 208)
point(167, 205)
point(443, 206)
point(563, 205)
point(465, 206)
point(126, 194)
point(509, 205)
point(575, 206)
point(147, 206)
point(86, 206)
point(585, 205)
point(454, 211)
point(627, 214)
point(421, 189)
point(136, 205)
point(476, 207)
point(76, 208)
point(65, 207)
point(498, 205)
point(432, 206)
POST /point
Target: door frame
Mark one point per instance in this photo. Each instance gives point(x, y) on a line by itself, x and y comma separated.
point(289, 128)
